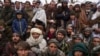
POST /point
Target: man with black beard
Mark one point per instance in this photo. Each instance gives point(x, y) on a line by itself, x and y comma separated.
point(7, 15)
point(10, 47)
point(52, 49)
point(87, 35)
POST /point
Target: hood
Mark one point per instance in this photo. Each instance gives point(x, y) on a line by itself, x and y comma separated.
point(79, 47)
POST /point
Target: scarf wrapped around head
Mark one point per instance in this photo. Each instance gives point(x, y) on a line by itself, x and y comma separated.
point(31, 40)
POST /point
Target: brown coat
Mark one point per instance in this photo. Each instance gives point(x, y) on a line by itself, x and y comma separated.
point(83, 18)
point(29, 11)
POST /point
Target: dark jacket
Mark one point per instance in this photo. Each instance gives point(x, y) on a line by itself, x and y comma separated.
point(3, 41)
point(19, 26)
point(9, 49)
point(63, 13)
point(7, 15)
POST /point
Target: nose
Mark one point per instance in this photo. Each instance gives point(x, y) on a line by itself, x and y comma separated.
point(23, 52)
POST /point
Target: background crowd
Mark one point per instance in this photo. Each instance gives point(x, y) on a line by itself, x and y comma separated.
point(55, 29)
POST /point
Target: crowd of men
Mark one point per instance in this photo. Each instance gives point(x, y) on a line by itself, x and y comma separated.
point(54, 29)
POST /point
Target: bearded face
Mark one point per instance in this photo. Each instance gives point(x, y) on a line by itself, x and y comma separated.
point(52, 49)
point(7, 4)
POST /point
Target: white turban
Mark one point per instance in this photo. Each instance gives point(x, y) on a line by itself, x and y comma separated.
point(36, 30)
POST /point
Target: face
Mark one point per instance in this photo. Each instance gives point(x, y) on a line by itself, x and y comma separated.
point(69, 30)
point(96, 41)
point(15, 38)
point(1, 27)
point(72, 17)
point(7, 3)
point(52, 5)
point(33, 4)
point(88, 6)
point(37, 5)
point(22, 52)
point(77, 40)
point(60, 36)
point(78, 53)
point(71, 7)
point(64, 4)
point(52, 47)
point(19, 16)
point(87, 33)
point(17, 4)
point(27, 5)
point(35, 35)
point(77, 9)
point(52, 30)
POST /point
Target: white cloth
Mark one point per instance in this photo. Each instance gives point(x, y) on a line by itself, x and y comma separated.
point(20, 8)
point(40, 15)
point(96, 35)
point(36, 30)
point(95, 15)
point(39, 41)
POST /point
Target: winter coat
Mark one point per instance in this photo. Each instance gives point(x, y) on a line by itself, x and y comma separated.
point(37, 45)
point(50, 13)
point(7, 16)
point(19, 26)
point(9, 49)
point(63, 46)
point(40, 15)
point(47, 53)
point(82, 18)
point(30, 13)
point(3, 41)
point(79, 47)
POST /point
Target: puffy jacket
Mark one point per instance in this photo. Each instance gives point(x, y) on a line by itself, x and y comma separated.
point(19, 26)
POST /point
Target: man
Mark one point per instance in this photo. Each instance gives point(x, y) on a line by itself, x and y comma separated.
point(40, 14)
point(7, 13)
point(52, 49)
point(23, 49)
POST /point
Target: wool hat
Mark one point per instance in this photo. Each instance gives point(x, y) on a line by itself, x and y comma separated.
point(16, 34)
point(36, 30)
point(78, 36)
point(53, 41)
point(61, 31)
point(80, 47)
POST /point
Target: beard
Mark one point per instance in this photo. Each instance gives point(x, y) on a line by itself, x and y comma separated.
point(53, 53)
